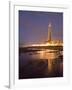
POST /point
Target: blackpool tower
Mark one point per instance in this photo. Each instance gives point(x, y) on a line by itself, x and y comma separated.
point(49, 32)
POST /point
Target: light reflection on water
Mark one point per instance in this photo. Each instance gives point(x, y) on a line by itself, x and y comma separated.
point(45, 54)
point(52, 56)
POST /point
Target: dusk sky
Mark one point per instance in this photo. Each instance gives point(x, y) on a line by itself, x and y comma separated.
point(33, 26)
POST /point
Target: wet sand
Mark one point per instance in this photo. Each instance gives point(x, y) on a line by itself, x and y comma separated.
point(36, 65)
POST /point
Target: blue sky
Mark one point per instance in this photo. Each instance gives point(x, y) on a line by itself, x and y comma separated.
point(33, 26)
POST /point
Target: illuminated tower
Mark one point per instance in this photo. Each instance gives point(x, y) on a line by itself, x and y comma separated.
point(49, 32)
